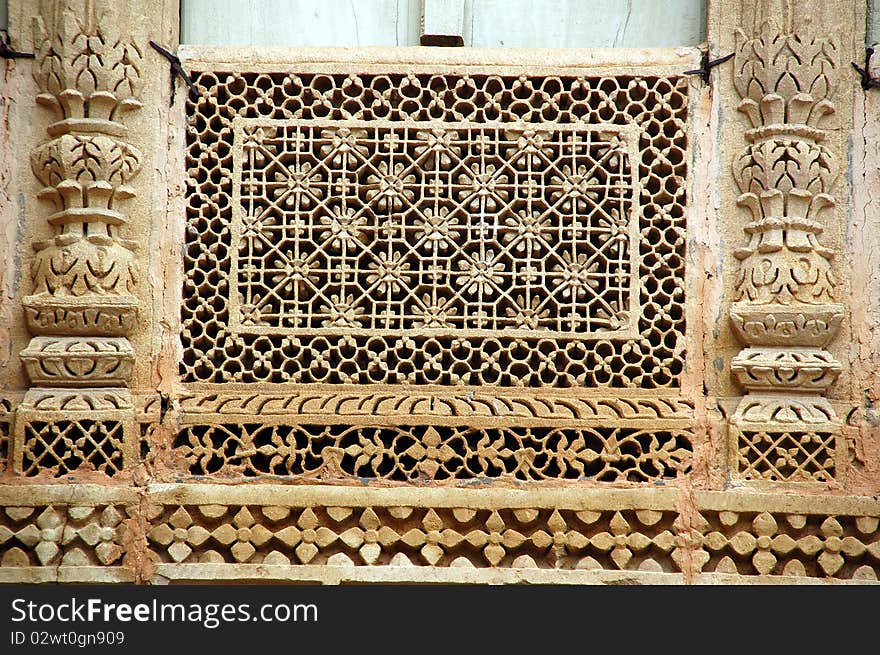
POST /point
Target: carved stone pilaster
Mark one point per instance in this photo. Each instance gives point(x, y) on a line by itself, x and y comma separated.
point(786, 73)
point(78, 414)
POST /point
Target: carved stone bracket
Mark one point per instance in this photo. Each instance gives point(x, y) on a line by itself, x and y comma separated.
point(786, 75)
point(79, 414)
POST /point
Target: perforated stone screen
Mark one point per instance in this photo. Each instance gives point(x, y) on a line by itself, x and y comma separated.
point(439, 314)
point(436, 229)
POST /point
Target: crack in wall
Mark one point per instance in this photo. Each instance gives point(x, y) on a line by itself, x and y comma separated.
point(863, 429)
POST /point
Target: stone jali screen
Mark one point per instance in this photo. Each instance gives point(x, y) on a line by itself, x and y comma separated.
point(494, 262)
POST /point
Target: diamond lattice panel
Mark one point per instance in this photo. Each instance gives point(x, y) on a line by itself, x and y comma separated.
point(351, 227)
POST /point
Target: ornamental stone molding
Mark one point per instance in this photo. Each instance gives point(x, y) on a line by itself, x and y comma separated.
point(788, 71)
point(442, 315)
point(198, 532)
point(87, 68)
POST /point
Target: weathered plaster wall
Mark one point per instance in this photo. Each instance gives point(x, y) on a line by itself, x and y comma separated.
point(862, 256)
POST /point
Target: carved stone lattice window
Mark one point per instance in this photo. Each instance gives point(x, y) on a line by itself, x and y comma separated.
point(494, 260)
point(439, 314)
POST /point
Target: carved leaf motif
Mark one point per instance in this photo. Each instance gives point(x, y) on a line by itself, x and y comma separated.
point(784, 277)
point(84, 267)
point(82, 170)
point(785, 76)
point(785, 177)
point(83, 68)
point(85, 71)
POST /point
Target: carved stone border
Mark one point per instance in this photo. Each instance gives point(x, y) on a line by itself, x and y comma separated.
point(493, 407)
point(333, 535)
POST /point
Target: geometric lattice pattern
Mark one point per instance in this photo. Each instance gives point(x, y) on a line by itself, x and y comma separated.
point(434, 453)
point(62, 447)
point(786, 456)
point(433, 229)
point(446, 228)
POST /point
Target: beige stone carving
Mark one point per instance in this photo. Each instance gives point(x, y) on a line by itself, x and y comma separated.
point(7, 417)
point(202, 532)
point(436, 315)
point(502, 405)
point(786, 71)
point(52, 535)
point(82, 307)
point(429, 453)
point(445, 228)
